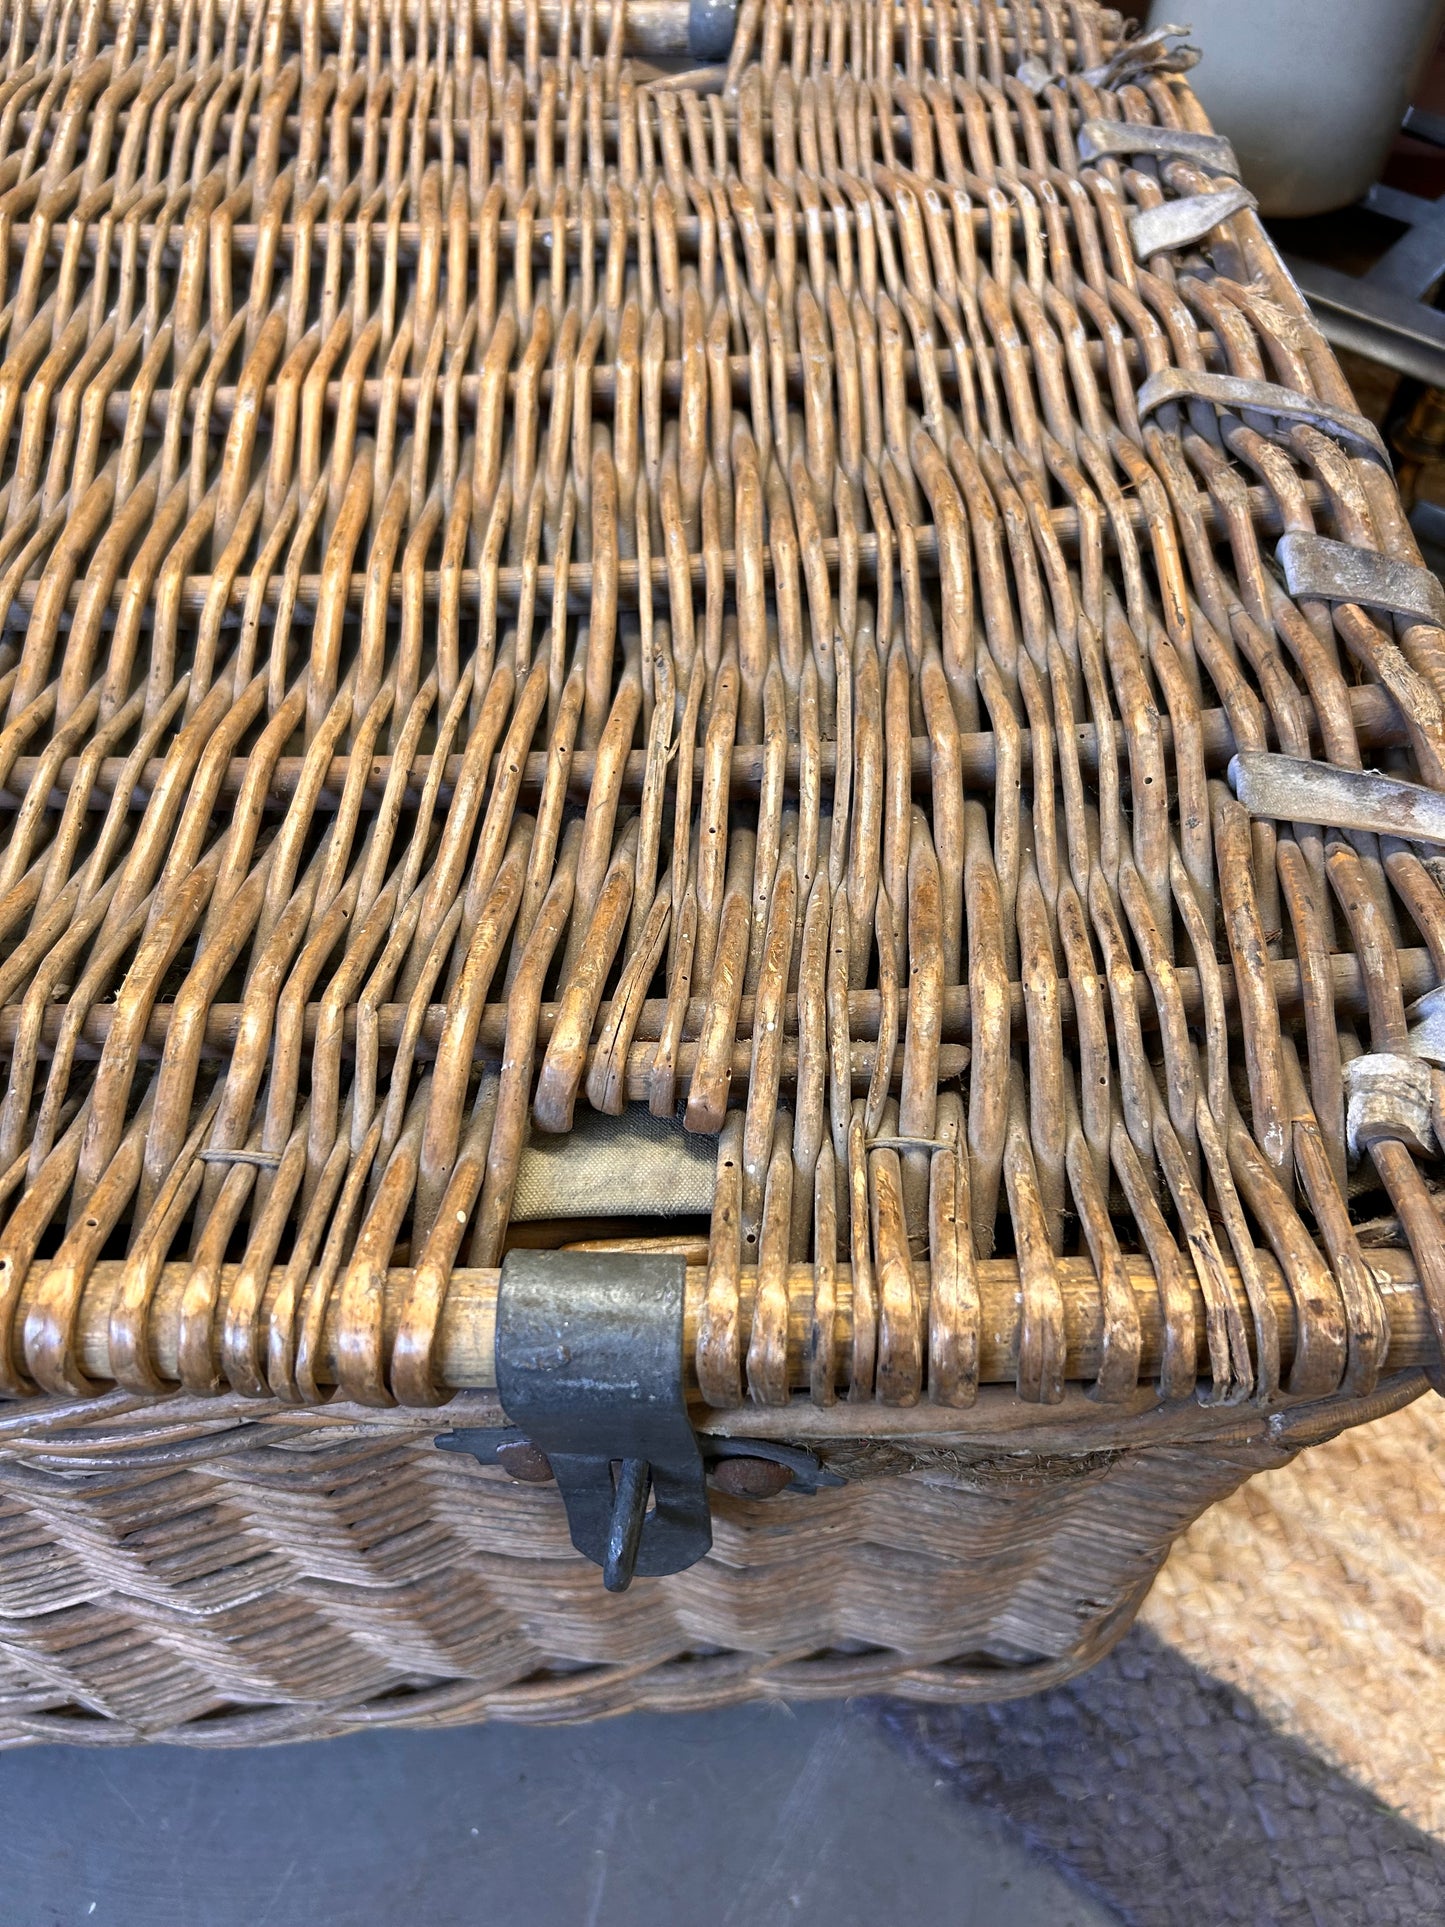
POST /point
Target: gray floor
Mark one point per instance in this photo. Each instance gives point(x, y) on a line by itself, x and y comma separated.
point(742, 1819)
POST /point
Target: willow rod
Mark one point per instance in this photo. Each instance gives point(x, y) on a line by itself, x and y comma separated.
point(463, 1353)
point(1378, 725)
point(223, 1020)
point(650, 26)
point(408, 390)
point(507, 582)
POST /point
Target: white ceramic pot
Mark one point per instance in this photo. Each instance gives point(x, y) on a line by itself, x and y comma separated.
point(1310, 92)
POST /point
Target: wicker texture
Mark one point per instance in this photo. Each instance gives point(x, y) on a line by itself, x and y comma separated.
point(529, 584)
point(379, 544)
point(186, 1576)
point(1284, 1690)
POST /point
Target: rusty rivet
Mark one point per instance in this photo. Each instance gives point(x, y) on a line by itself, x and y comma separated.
point(522, 1461)
point(745, 1478)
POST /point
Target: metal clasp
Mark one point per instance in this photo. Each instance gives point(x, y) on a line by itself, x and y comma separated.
point(590, 1373)
point(589, 1369)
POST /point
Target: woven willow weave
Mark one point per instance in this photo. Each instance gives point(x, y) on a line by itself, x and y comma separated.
point(535, 581)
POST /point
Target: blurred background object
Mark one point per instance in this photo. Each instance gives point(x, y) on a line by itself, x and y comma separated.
point(1310, 92)
point(1336, 109)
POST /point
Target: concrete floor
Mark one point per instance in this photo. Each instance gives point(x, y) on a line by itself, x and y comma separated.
point(765, 1815)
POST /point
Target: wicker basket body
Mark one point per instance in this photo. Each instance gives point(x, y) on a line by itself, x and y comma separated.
point(541, 587)
point(235, 1578)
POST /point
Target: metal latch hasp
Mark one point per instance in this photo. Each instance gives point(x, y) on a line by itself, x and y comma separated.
point(590, 1369)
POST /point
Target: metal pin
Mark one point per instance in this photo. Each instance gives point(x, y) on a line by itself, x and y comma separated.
point(624, 1534)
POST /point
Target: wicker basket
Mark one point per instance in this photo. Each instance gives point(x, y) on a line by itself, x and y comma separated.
point(758, 676)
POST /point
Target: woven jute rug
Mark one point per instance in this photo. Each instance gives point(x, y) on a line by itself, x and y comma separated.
point(1319, 1591)
point(1268, 1745)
